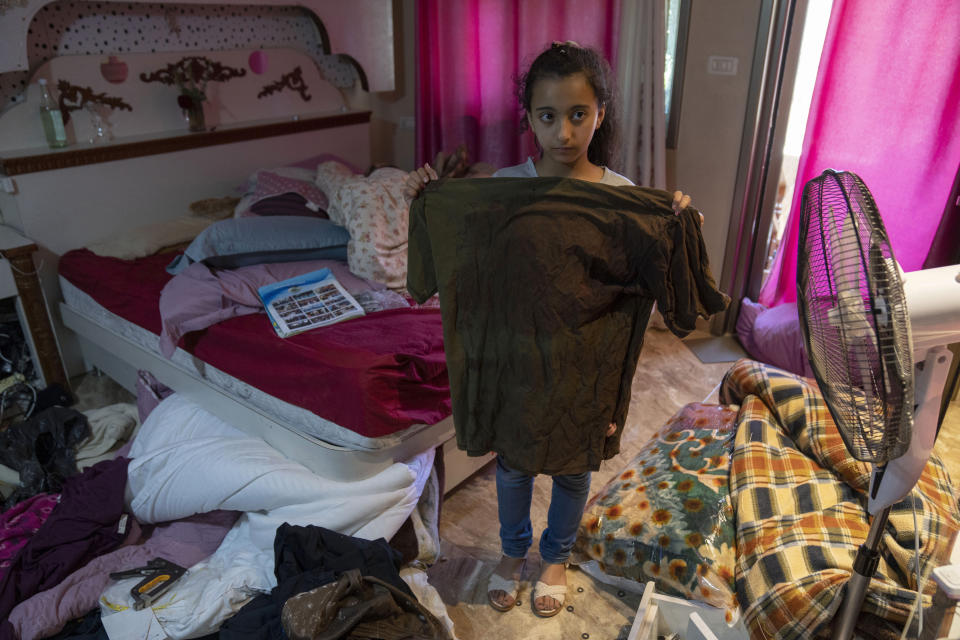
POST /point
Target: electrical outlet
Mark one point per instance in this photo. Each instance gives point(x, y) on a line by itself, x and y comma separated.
point(722, 65)
point(408, 122)
point(8, 185)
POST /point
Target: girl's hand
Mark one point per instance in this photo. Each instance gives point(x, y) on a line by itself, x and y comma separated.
point(611, 429)
point(417, 180)
point(681, 202)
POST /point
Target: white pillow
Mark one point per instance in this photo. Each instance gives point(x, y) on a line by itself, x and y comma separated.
point(146, 240)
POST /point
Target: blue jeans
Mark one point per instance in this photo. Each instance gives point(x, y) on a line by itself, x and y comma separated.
point(514, 493)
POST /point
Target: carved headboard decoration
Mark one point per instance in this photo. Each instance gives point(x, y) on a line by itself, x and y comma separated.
point(292, 80)
point(195, 69)
point(73, 97)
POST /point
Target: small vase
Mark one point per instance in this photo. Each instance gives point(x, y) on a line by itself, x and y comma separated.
point(195, 116)
point(193, 108)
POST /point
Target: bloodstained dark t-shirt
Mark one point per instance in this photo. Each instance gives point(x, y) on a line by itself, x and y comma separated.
point(546, 286)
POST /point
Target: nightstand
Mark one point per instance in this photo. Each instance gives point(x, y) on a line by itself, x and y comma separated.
point(18, 278)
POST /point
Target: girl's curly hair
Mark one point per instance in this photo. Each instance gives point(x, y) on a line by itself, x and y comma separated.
point(564, 59)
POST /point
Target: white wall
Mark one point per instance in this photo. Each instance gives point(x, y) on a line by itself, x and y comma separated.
point(392, 121)
point(704, 164)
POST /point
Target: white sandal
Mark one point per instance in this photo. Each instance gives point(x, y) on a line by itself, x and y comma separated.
point(507, 585)
point(542, 590)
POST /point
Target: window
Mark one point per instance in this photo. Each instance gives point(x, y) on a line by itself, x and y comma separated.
point(678, 20)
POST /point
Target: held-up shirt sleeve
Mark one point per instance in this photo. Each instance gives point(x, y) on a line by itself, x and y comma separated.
point(684, 288)
point(421, 274)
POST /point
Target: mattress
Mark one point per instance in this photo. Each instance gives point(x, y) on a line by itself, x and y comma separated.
point(364, 384)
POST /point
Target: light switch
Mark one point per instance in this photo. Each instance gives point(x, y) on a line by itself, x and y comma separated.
point(722, 65)
point(8, 185)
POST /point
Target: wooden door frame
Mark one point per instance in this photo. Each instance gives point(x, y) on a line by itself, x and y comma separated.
point(773, 70)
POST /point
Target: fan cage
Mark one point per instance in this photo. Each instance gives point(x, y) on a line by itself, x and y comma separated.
point(854, 317)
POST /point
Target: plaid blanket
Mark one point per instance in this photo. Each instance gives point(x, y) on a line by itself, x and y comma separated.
point(800, 506)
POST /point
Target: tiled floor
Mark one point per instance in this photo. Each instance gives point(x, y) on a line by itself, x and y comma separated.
point(93, 390)
point(668, 377)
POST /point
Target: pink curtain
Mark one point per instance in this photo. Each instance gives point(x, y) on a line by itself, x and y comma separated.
point(469, 53)
point(886, 105)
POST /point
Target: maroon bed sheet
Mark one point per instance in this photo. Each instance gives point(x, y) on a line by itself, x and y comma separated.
point(374, 375)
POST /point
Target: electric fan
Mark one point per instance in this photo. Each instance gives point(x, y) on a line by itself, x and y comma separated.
point(862, 320)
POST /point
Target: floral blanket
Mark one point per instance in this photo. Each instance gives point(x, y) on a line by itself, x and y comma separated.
point(800, 506)
point(666, 516)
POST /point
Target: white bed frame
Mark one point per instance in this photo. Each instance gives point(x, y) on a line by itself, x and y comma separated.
point(61, 205)
point(120, 359)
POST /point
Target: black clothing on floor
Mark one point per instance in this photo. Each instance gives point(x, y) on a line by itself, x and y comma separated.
point(43, 450)
point(358, 606)
point(306, 558)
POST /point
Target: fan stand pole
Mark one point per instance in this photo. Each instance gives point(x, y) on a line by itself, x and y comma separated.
point(865, 565)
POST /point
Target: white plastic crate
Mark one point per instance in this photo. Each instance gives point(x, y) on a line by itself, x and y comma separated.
point(660, 615)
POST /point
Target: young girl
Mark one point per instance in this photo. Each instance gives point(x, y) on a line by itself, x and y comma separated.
point(569, 104)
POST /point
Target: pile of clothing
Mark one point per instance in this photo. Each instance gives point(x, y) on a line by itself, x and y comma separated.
point(263, 539)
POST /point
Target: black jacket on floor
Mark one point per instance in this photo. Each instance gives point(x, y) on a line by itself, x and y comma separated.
point(306, 558)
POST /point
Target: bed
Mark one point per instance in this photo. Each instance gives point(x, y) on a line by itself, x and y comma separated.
point(104, 309)
point(370, 452)
point(241, 371)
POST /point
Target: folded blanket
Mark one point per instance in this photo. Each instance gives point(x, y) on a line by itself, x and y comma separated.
point(800, 505)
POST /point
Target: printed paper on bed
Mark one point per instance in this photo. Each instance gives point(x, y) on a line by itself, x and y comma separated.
point(308, 301)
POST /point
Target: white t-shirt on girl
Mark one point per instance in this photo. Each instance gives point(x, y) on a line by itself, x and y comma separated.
point(528, 170)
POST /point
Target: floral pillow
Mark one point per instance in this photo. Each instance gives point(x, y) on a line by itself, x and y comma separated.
point(373, 210)
point(667, 515)
point(330, 177)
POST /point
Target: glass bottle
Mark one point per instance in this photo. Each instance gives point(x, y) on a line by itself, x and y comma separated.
point(51, 117)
